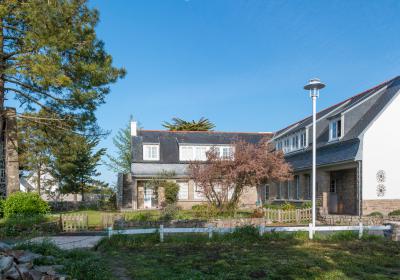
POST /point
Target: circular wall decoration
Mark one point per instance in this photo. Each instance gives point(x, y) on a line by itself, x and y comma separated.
point(381, 176)
point(380, 190)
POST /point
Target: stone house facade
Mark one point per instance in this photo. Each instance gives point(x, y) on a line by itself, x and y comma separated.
point(357, 158)
point(169, 152)
point(357, 155)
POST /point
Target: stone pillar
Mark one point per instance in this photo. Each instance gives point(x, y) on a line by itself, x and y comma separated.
point(395, 232)
point(11, 151)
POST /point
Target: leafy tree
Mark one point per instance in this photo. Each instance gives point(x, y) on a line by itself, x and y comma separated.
point(51, 57)
point(178, 124)
point(52, 61)
point(223, 180)
point(75, 163)
point(122, 141)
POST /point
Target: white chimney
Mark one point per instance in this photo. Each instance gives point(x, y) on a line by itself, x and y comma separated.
point(133, 128)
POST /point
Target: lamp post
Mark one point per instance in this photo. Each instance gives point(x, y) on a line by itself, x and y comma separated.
point(313, 86)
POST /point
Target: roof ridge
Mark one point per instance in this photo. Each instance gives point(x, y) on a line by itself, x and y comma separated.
point(342, 102)
point(205, 131)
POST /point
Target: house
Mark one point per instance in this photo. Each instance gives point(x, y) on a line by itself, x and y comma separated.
point(357, 158)
point(155, 152)
point(357, 155)
point(49, 189)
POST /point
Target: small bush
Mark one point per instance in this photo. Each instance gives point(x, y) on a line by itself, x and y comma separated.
point(272, 206)
point(205, 211)
point(169, 212)
point(23, 226)
point(171, 190)
point(288, 206)
point(258, 213)
point(25, 204)
point(395, 213)
point(375, 214)
point(306, 205)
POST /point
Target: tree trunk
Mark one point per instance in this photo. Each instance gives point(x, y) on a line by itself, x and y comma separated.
point(3, 184)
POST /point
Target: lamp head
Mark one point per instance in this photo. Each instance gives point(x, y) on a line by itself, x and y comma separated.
point(314, 84)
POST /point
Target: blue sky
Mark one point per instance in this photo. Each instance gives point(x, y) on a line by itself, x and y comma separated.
point(242, 64)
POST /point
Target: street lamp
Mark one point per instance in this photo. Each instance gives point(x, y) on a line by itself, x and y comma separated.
point(313, 86)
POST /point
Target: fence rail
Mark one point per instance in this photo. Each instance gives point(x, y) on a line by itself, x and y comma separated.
point(262, 230)
point(288, 216)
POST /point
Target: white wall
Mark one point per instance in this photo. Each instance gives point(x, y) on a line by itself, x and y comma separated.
point(381, 151)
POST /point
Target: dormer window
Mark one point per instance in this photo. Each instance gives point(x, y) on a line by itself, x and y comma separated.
point(335, 129)
point(151, 152)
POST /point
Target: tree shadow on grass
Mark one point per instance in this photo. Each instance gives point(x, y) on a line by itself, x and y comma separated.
point(248, 256)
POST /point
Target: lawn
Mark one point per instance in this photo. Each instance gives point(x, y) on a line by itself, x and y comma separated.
point(245, 255)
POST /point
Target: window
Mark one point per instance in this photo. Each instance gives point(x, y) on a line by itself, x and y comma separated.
point(297, 186)
point(190, 153)
point(295, 142)
point(151, 152)
point(201, 153)
point(183, 191)
point(279, 190)
point(335, 129)
point(308, 185)
point(288, 189)
point(266, 197)
point(227, 152)
point(198, 193)
point(333, 185)
point(303, 140)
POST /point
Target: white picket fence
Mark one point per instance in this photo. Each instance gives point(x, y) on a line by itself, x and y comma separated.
point(288, 216)
point(262, 230)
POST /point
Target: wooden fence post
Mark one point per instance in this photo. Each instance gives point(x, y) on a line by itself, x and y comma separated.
point(310, 231)
point(360, 230)
point(161, 233)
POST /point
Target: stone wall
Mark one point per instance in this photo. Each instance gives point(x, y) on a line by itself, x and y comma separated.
point(217, 223)
point(384, 206)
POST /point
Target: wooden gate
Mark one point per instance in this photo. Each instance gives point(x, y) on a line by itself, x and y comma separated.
point(74, 222)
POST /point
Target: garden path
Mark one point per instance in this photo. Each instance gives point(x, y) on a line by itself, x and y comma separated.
point(71, 242)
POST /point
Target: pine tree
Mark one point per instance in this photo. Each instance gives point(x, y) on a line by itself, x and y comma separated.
point(121, 163)
point(178, 124)
point(74, 164)
point(52, 61)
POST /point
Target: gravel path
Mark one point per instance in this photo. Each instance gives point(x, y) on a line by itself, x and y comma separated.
point(71, 242)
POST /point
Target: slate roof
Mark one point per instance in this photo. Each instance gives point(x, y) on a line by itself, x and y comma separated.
point(347, 148)
point(330, 154)
point(169, 141)
point(344, 105)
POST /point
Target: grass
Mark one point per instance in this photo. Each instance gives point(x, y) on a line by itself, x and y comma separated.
point(78, 264)
point(245, 255)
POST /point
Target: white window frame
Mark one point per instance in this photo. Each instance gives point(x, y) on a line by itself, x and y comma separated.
point(198, 152)
point(183, 195)
point(153, 154)
point(338, 125)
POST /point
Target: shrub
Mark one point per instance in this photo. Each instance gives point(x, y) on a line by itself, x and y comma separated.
point(395, 213)
point(288, 206)
point(375, 214)
point(258, 213)
point(272, 206)
point(306, 205)
point(205, 211)
point(25, 204)
point(171, 190)
point(169, 212)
